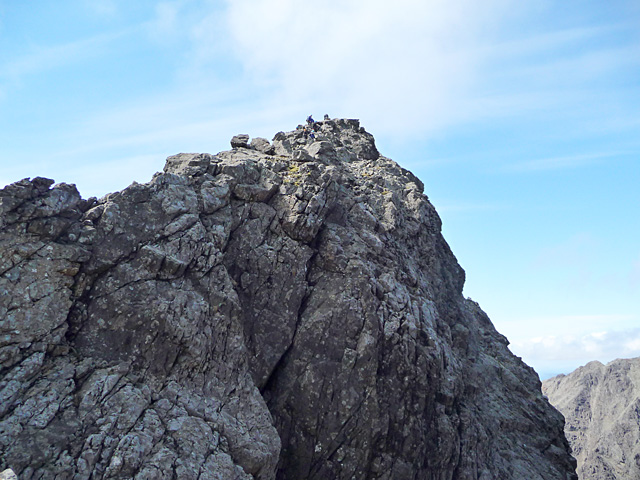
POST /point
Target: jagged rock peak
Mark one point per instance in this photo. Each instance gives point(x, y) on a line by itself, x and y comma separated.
point(292, 313)
point(601, 405)
point(338, 140)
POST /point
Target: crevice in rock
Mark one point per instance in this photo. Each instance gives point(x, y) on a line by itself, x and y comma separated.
point(271, 380)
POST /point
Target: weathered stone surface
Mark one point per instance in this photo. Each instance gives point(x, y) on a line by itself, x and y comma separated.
point(302, 155)
point(262, 145)
point(189, 164)
point(601, 405)
point(245, 315)
point(123, 356)
point(322, 151)
point(241, 140)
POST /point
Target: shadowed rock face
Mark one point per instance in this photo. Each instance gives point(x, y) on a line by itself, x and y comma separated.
point(601, 404)
point(289, 311)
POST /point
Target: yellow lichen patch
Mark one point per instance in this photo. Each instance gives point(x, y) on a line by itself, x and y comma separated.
point(293, 174)
point(294, 168)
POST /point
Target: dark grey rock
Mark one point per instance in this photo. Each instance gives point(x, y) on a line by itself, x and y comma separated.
point(282, 144)
point(302, 155)
point(240, 141)
point(262, 145)
point(189, 164)
point(322, 151)
point(245, 315)
point(600, 404)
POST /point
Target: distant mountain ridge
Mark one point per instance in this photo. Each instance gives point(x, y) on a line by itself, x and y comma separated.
point(601, 406)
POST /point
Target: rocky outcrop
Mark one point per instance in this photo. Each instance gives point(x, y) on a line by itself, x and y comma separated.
point(8, 474)
point(295, 315)
point(240, 141)
point(601, 405)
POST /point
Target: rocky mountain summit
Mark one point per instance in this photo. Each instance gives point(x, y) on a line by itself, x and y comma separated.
point(601, 404)
point(285, 309)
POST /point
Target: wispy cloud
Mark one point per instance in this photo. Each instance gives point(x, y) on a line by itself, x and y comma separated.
point(444, 63)
point(181, 117)
point(556, 353)
point(535, 44)
point(120, 139)
point(42, 58)
point(560, 343)
point(586, 262)
point(102, 8)
point(564, 162)
point(169, 22)
point(473, 207)
point(523, 328)
point(634, 274)
point(565, 54)
point(331, 54)
point(573, 83)
point(574, 251)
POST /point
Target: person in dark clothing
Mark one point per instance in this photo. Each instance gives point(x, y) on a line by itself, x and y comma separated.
point(310, 120)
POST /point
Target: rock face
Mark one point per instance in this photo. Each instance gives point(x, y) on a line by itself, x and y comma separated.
point(601, 404)
point(255, 316)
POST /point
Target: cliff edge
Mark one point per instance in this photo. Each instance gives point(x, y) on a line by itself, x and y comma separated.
point(285, 309)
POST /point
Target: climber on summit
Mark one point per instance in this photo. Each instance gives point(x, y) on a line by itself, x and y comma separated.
point(326, 116)
point(310, 120)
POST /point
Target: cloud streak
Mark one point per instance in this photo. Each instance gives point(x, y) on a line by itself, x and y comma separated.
point(564, 162)
point(406, 65)
point(564, 353)
point(561, 343)
point(42, 58)
point(473, 207)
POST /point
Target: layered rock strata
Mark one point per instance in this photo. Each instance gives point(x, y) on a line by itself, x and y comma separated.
point(281, 310)
point(601, 404)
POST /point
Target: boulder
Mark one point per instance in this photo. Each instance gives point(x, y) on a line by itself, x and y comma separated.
point(240, 141)
point(189, 164)
point(262, 145)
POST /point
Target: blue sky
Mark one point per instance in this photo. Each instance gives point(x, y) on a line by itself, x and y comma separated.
point(521, 117)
